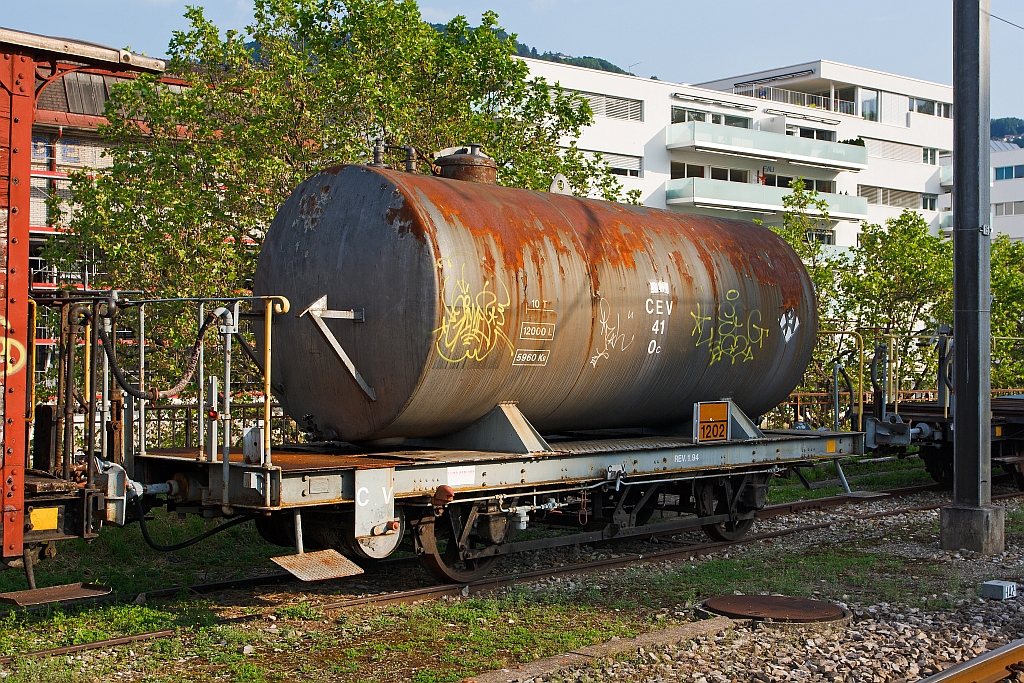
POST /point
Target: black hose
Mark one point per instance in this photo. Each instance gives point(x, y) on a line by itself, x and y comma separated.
point(154, 393)
point(140, 511)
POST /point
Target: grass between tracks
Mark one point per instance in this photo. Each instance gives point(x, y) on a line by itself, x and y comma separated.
point(824, 479)
point(121, 559)
point(448, 640)
point(435, 641)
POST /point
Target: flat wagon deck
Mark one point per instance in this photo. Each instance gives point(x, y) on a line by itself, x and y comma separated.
point(461, 506)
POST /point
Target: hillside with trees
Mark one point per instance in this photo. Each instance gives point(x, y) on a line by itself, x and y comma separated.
point(1010, 129)
point(524, 50)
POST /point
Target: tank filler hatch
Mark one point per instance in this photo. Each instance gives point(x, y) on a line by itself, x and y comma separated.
point(467, 163)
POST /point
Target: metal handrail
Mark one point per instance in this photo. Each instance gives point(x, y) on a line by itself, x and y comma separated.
point(764, 92)
point(860, 370)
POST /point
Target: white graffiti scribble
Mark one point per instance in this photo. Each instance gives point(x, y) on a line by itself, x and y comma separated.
point(789, 323)
point(610, 335)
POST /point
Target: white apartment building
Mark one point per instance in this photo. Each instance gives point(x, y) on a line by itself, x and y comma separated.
point(1007, 189)
point(731, 147)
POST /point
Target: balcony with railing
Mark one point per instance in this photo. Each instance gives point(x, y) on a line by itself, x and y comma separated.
point(946, 176)
point(800, 99)
point(761, 144)
point(753, 198)
point(946, 221)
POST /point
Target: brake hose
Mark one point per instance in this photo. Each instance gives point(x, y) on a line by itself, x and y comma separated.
point(184, 544)
point(154, 393)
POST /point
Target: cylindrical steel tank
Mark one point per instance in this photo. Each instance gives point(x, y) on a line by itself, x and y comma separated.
point(589, 314)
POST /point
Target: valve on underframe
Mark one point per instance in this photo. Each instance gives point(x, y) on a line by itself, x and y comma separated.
point(442, 496)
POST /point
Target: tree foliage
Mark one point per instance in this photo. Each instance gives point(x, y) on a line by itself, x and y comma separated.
point(805, 219)
point(895, 287)
point(198, 171)
point(1007, 312)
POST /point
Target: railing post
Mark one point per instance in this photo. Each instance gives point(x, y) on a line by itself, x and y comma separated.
point(268, 313)
point(142, 378)
point(200, 379)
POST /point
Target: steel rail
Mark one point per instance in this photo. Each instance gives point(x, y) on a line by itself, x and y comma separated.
point(434, 592)
point(769, 512)
point(987, 668)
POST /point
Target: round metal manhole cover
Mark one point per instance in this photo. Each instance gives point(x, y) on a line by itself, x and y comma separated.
point(775, 607)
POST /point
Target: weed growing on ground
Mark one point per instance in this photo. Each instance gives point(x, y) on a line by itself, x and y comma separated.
point(304, 610)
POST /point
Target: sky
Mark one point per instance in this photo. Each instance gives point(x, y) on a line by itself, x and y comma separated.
point(676, 40)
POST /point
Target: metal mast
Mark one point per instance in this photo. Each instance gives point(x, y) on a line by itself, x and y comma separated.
point(972, 521)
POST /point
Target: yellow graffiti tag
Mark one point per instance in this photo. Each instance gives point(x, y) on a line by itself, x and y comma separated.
point(472, 326)
point(734, 335)
point(12, 354)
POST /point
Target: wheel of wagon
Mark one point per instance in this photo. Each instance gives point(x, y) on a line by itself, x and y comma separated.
point(437, 547)
point(939, 463)
point(711, 500)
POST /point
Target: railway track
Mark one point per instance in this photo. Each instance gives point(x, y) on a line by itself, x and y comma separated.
point(768, 512)
point(689, 551)
point(999, 664)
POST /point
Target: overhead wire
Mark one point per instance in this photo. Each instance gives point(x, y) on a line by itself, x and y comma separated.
point(1005, 21)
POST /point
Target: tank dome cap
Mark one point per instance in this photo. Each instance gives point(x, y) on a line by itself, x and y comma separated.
point(467, 163)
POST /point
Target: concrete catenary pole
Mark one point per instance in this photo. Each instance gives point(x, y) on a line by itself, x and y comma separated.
point(971, 522)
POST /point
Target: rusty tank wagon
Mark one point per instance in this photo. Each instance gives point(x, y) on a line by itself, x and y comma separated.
point(468, 360)
point(587, 314)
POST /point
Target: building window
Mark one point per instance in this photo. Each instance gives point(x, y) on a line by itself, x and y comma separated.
point(683, 115)
point(737, 121)
point(735, 175)
point(622, 164)
point(1009, 172)
point(922, 106)
point(811, 133)
point(869, 104)
point(930, 107)
point(613, 107)
point(681, 170)
point(1009, 209)
point(887, 149)
point(928, 202)
point(930, 156)
point(773, 180)
point(826, 186)
point(885, 196)
point(822, 236)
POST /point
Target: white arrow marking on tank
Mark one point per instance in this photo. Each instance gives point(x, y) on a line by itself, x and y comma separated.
point(317, 312)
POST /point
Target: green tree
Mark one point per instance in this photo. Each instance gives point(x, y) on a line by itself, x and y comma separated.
point(1007, 312)
point(805, 221)
point(199, 169)
point(201, 164)
point(805, 225)
point(900, 283)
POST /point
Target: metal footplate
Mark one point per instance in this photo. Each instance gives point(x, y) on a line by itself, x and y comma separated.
point(42, 596)
point(318, 565)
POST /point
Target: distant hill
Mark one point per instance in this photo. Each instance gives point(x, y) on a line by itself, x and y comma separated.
point(524, 50)
point(1010, 129)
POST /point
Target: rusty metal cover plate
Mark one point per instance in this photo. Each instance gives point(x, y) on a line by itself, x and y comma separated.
point(318, 565)
point(41, 596)
point(775, 607)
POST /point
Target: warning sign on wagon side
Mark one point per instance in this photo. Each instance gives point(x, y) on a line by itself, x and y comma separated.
point(711, 421)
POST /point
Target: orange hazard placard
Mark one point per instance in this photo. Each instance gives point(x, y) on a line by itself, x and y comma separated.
point(711, 421)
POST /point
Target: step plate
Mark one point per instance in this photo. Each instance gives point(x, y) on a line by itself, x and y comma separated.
point(41, 596)
point(318, 565)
